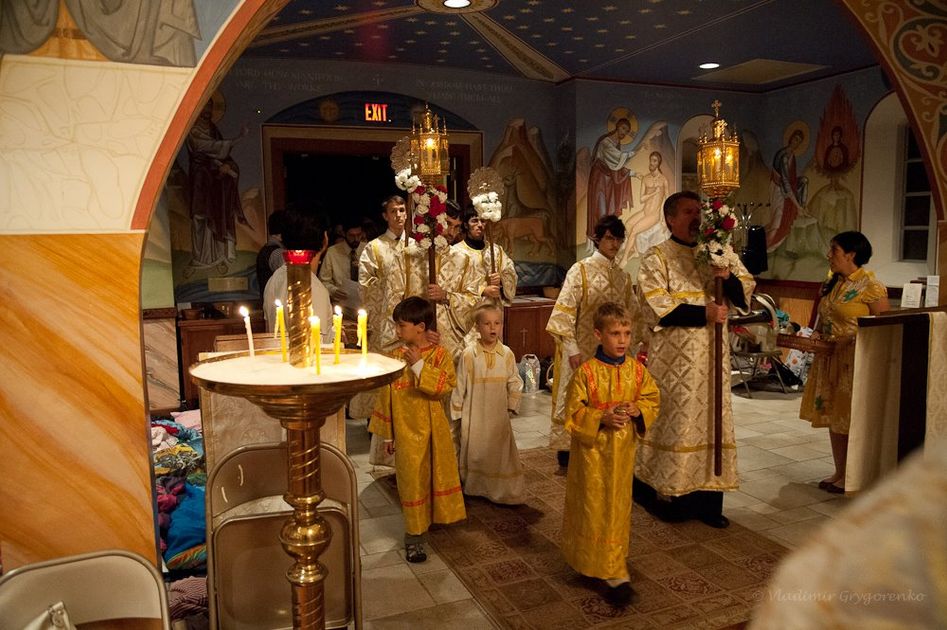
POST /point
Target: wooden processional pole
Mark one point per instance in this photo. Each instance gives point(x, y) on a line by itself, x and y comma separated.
point(718, 382)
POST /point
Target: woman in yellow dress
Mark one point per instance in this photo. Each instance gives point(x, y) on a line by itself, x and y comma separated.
point(850, 293)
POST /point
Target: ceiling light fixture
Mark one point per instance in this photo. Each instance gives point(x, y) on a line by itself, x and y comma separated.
point(709, 66)
point(456, 4)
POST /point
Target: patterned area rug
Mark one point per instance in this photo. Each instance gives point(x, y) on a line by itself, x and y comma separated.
point(685, 575)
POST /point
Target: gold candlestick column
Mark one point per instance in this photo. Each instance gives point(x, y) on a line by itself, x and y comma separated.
point(306, 535)
point(301, 408)
point(298, 305)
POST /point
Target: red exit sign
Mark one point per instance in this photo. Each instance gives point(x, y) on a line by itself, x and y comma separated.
point(376, 112)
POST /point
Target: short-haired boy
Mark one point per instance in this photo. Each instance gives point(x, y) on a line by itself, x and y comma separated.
point(410, 411)
point(612, 400)
point(488, 390)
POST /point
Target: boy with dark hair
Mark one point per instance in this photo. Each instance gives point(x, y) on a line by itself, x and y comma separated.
point(589, 283)
point(411, 411)
point(612, 401)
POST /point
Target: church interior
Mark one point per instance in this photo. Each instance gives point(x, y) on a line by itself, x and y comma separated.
point(144, 146)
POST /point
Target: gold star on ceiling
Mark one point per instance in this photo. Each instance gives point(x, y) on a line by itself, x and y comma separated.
point(644, 11)
point(609, 7)
point(341, 7)
point(548, 20)
point(565, 28)
point(526, 10)
point(660, 26)
point(602, 30)
point(305, 12)
point(568, 10)
point(591, 18)
point(509, 17)
point(684, 12)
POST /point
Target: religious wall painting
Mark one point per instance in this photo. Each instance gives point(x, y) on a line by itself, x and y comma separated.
point(532, 228)
point(216, 228)
point(129, 31)
point(812, 203)
point(629, 177)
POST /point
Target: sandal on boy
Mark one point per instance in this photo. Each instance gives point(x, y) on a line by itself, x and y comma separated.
point(414, 552)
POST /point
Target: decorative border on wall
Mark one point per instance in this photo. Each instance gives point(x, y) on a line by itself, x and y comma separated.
point(910, 39)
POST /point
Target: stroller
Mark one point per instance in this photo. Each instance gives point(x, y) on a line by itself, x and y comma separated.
point(753, 345)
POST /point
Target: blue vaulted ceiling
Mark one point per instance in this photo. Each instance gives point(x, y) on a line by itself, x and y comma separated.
point(649, 41)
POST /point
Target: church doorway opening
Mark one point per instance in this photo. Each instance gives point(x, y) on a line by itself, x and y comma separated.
point(350, 188)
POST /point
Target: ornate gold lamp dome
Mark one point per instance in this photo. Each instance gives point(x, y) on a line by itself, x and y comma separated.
point(430, 147)
point(718, 158)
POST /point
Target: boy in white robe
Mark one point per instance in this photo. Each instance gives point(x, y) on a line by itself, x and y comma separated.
point(488, 390)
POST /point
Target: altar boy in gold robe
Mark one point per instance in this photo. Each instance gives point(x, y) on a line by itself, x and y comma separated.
point(411, 411)
point(612, 401)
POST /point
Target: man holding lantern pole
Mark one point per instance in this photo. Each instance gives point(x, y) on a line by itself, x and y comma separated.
point(674, 469)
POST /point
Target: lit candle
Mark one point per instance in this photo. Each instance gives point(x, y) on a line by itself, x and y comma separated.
point(337, 329)
point(363, 332)
point(281, 328)
point(315, 344)
point(246, 322)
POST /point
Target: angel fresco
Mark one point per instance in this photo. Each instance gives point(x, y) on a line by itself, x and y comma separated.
point(790, 190)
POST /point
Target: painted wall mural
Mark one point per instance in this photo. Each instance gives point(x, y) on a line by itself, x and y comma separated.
point(627, 178)
point(532, 229)
point(812, 203)
point(216, 228)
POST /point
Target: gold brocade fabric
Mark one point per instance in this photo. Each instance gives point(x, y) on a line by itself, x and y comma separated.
point(381, 276)
point(388, 273)
point(676, 457)
point(480, 261)
point(827, 399)
point(597, 514)
point(457, 277)
point(488, 386)
point(588, 284)
point(411, 411)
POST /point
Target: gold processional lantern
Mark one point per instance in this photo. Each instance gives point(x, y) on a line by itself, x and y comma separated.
point(718, 158)
point(429, 146)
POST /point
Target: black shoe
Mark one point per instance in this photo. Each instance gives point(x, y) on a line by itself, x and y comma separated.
point(414, 552)
point(563, 458)
point(718, 521)
point(619, 596)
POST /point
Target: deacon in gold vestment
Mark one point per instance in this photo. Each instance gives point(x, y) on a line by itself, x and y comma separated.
point(499, 287)
point(409, 415)
point(390, 272)
point(589, 283)
point(676, 457)
point(612, 400)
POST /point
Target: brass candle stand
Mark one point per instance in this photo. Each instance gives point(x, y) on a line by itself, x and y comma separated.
point(300, 400)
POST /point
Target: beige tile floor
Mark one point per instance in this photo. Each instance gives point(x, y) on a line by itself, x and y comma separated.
point(780, 458)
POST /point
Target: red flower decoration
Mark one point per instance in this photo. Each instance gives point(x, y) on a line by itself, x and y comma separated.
point(729, 223)
point(716, 204)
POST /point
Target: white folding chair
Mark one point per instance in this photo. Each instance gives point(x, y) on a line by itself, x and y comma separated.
point(97, 586)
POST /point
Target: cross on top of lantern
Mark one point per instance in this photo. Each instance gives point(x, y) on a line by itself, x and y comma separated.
point(429, 146)
point(718, 158)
